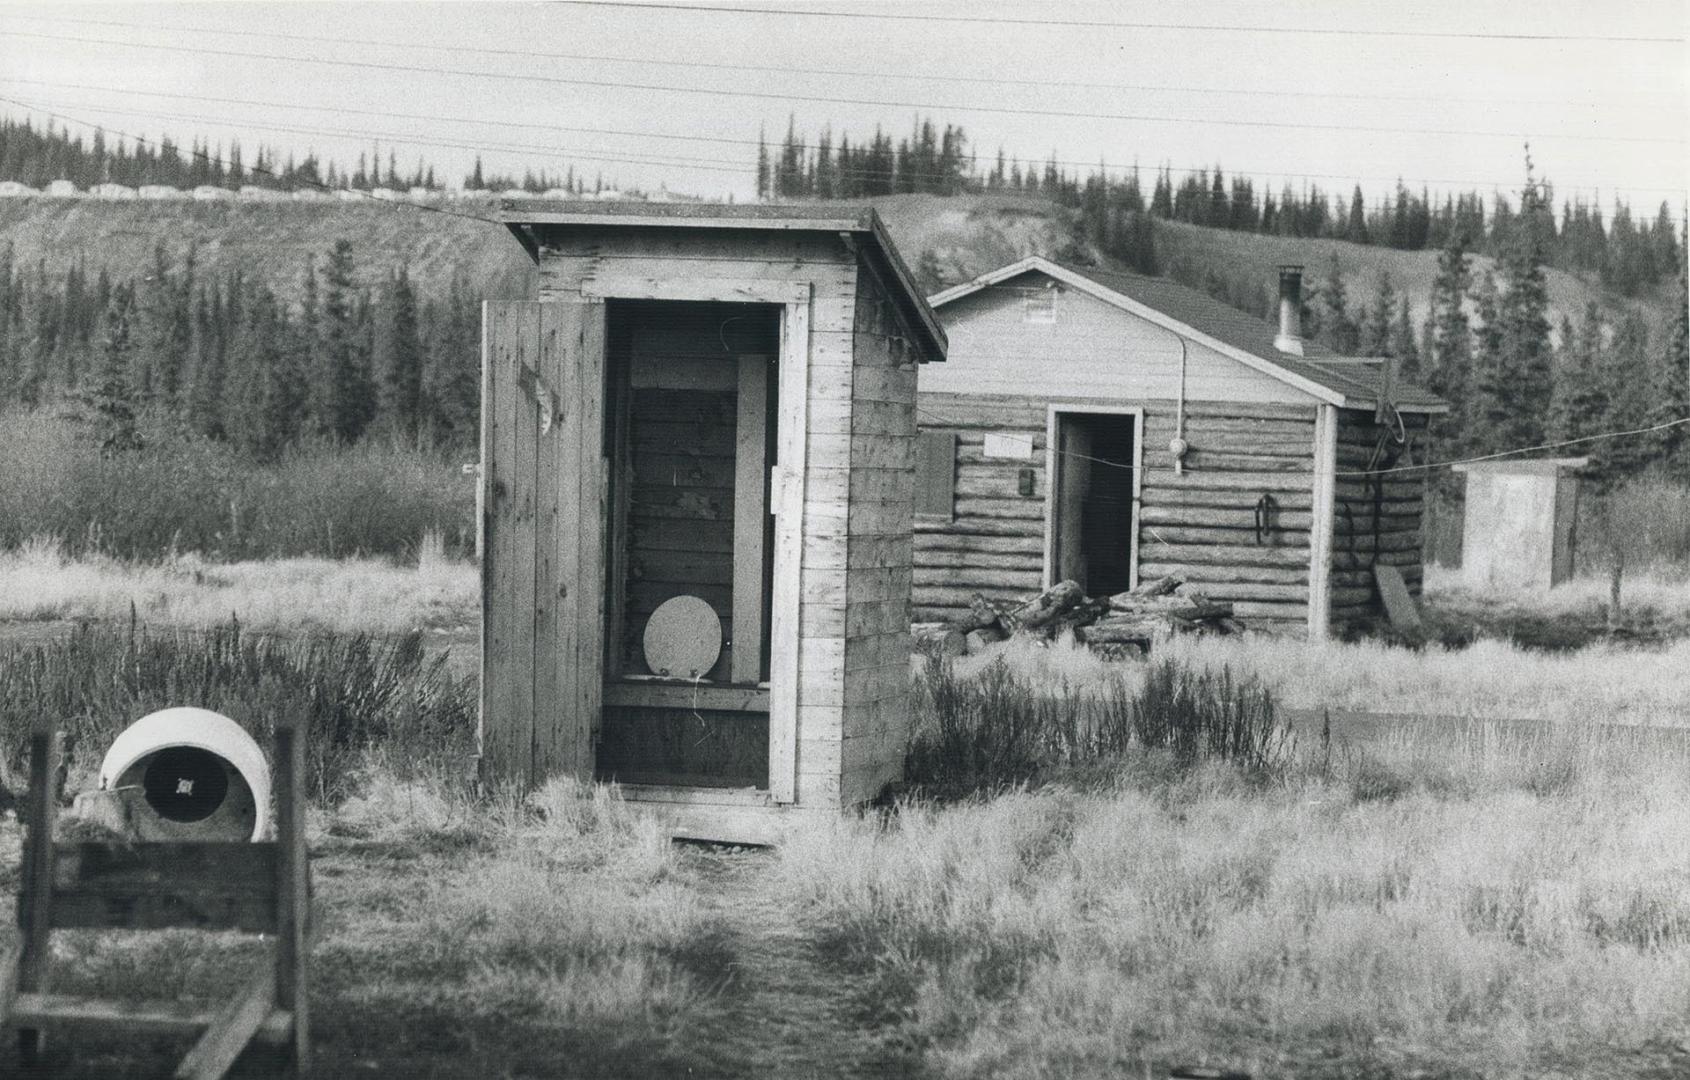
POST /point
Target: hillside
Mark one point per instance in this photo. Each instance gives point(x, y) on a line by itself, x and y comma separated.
point(954, 237)
point(266, 240)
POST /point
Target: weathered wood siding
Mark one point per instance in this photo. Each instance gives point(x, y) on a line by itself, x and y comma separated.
point(1377, 519)
point(1203, 519)
point(1091, 350)
point(878, 549)
point(543, 568)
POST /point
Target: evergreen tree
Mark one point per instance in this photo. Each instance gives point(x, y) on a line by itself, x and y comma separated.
point(762, 165)
point(1355, 229)
point(399, 360)
point(1403, 345)
point(1338, 331)
point(111, 396)
point(1632, 400)
point(1376, 321)
point(1517, 378)
point(1580, 405)
point(344, 397)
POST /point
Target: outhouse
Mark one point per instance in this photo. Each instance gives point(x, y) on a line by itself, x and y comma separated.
point(1106, 427)
point(1517, 522)
point(698, 453)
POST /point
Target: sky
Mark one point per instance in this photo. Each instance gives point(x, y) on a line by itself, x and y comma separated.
point(1442, 93)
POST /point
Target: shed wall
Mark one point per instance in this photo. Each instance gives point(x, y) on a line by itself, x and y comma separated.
point(879, 550)
point(1203, 519)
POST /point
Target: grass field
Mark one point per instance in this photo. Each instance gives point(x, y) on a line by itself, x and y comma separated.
point(1068, 890)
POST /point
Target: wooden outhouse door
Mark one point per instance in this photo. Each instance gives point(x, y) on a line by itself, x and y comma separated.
point(543, 537)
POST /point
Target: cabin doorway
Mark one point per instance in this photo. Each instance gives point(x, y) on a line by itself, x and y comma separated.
point(1094, 465)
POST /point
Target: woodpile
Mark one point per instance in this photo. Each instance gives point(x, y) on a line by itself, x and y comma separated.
point(1123, 624)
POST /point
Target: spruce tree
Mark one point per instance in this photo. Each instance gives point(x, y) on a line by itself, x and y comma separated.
point(1581, 403)
point(344, 401)
point(111, 396)
point(1355, 229)
point(399, 360)
point(1337, 329)
point(1631, 399)
point(1518, 379)
point(1403, 345)
point(1376, 321)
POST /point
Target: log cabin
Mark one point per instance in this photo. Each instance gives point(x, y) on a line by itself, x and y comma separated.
point(1108, 428)
point(698, 453)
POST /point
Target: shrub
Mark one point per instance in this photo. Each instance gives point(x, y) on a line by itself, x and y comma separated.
point(999, 728)
point(185, 493)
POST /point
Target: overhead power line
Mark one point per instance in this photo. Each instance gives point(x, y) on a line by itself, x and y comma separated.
point(740, 67)
point(1599, 437)
point(1236, 28)
point(789, 96)
point(708, 164)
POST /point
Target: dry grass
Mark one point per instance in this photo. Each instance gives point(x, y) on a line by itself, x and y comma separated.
point(39, 581)
point(1601, 684)
point(1332, 926)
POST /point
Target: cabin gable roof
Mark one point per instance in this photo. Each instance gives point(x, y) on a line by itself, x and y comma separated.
point(1348, 382)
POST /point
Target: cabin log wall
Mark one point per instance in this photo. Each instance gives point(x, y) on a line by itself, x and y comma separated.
point(1202, 520)
point(1377, 519)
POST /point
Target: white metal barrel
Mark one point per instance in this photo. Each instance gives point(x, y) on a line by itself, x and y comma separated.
point(193, 775)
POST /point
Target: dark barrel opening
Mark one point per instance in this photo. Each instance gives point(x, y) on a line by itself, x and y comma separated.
point(185, 783)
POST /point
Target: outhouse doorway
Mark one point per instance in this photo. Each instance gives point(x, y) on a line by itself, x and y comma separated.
point(691, 436)
point(1094, 465)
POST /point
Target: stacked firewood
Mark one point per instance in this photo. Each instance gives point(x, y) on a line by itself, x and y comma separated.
point(1125, 622)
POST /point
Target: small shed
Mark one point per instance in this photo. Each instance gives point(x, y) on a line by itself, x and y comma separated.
point(698, 453)
point(1109, 428)
point(1517, 524)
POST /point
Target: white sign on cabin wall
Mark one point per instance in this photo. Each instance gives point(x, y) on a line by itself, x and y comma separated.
point(1010, 445)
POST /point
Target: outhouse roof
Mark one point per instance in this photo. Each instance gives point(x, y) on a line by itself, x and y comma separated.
point(1348, 381)
point(855, 220)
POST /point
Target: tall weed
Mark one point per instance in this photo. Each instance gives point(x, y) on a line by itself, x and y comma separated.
point(1000, 727)
point(351, 694)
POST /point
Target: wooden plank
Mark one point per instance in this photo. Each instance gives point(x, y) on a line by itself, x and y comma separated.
point(688, 287)
point(501, 731)
point(786, 612)
point(750, 501)
point(1320, 533)
point(102, 1016)
point(36, 896)
point(293, 892)
point(581, 330)
point(229, 1032)
point(525, 504)
point(553, 513)
point(210, 886)
point(484, 504)
point(643, 694)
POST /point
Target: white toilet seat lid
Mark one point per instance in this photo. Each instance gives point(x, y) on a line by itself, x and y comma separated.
point(683, 638)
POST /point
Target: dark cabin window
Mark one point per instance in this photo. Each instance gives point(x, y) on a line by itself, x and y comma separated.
point(935, 474)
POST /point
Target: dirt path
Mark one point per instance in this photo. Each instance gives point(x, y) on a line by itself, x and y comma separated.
point(787, 1013)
